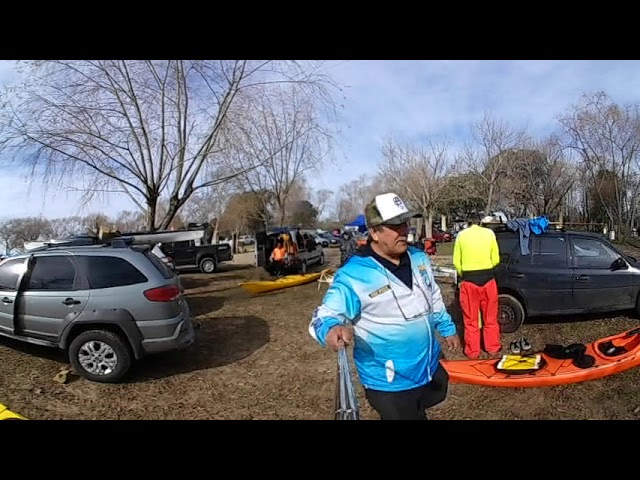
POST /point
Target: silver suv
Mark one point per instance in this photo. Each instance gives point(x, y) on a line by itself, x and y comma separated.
point(106, 305)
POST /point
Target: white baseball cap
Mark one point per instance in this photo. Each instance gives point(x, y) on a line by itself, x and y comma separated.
point(389, 209)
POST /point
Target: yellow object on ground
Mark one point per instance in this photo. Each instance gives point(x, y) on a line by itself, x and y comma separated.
point(264, 286)
point(518, 362)
point(6, 414)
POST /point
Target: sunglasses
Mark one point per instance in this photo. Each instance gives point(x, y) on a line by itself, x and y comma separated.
point(416, 282)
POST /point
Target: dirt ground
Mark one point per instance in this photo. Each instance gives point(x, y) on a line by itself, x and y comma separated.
point(254, 359)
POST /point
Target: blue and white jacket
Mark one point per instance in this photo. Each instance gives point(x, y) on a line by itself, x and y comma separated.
point(395, 347)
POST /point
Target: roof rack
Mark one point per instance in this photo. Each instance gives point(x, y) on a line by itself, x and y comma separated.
point(120, 242)
point(64, 242)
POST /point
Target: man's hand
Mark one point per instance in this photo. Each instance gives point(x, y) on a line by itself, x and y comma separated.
point(453, 342)
point(338, 336)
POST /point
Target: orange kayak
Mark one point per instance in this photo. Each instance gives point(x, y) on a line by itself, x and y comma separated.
point(556, 365)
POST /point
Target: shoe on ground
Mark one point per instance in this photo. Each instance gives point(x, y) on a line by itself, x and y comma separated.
point(525, 345)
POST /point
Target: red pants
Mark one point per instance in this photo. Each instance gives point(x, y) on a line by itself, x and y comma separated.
point(485, 299)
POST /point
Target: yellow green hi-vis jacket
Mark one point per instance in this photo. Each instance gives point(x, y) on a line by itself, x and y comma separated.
point(475, 248)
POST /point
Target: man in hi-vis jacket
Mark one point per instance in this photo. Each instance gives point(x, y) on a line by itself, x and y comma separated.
point(475, 255)
point(388, 293)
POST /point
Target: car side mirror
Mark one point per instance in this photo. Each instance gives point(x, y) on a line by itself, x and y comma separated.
point(619, 264)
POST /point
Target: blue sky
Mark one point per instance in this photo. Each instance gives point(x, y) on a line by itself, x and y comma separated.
point(416, 99)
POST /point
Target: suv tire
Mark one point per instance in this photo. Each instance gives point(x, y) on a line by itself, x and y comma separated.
point(100, 345)
point(510, 313)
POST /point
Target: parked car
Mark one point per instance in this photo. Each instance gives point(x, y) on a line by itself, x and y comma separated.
point(320, 240)
point(246, 240)
point(105, 305)
point(333, 240)
point(564, 273)
point(440, 235)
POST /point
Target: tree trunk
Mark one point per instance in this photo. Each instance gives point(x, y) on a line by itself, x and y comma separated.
point(419, 229)
point(152, 208)
point(214, 237)
point(234, 240)
point(429, 224)
point(487, 208)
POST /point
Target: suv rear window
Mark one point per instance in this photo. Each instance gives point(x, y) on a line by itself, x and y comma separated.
point(108, 272)
point(159, 264)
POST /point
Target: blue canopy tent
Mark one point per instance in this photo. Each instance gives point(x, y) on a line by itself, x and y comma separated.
point(358, 222)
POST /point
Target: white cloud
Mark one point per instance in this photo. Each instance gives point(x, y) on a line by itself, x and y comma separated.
point(419, 100)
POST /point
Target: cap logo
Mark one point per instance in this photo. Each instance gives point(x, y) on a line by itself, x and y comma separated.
point(397, 202)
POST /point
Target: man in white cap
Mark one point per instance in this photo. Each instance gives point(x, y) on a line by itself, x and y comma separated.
point(388, 293)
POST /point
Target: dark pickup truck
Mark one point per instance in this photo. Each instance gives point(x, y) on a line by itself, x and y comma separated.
point(187, 255)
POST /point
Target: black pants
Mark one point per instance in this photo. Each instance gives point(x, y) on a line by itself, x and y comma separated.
point(410, 404)
point(277, 267)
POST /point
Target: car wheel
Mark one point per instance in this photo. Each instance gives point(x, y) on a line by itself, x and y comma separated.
point(100, 356)
point(510, 313)
point(208, 265)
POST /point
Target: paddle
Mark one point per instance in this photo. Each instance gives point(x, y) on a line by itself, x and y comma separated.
point(346, 403)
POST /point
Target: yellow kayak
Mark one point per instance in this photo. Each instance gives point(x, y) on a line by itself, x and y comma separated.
point(279, 283)
point(6, 414)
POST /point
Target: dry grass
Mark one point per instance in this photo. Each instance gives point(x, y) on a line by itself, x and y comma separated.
point(254, 359)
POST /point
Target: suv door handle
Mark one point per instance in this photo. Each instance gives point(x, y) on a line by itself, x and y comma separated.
point(71, 301)
point(517, 275)
point(7, 300)
point(582, 278)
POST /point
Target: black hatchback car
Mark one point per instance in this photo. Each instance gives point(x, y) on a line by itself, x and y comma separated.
point(563, 273)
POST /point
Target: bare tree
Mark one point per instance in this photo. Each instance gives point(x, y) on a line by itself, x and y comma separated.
point(97, 223)
point(606, 137)
point(246, 212)
point(68, 226)
point(287, 131)
point(418, 174)
point(538, 178)
point(352, 197)
point(299, 192)
point(16, 232)
point(489, 157)
point(320, 199)
point(141, 128)
point(128, 221)
point(208, 205)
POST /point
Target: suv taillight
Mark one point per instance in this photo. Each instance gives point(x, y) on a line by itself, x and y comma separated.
point(163, 294)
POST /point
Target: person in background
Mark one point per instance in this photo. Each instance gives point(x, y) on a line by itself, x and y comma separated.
point(475, 255)
point(277, 258)
point(389, 294)
point(348, 247)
